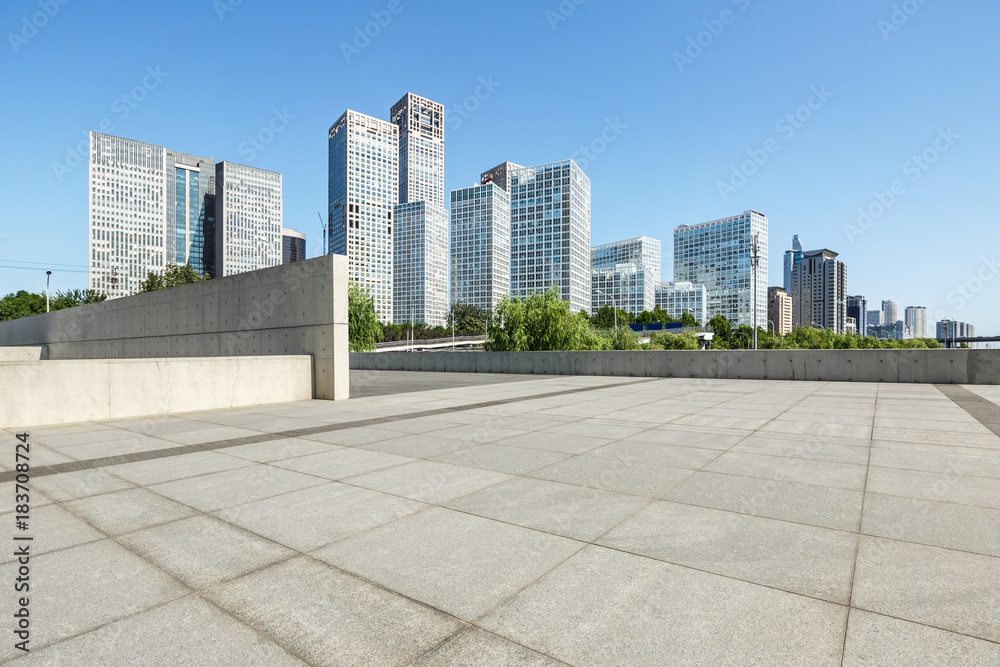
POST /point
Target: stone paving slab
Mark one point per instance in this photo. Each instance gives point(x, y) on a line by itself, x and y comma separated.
point(537, 520)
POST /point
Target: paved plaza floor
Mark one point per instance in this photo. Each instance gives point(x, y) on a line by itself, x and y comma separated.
point(544, 520)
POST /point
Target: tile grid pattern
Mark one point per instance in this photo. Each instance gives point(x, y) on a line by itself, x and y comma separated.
point(588, 513)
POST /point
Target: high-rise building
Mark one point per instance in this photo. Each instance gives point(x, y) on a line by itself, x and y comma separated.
point(876, 318)
point(915, 318)
point(717, 254)
point(248, 218)
point(790, 262)
point(550, 231)
point(420, 264)
point(420, 242)
point(363, 190)
point(857, 308)
point(627, 273)
point(480, 245)
point(947, 329)
point(850, 325)
point(890, 312)
point(293, 246)
point(779, 311)
point(678, 298)
point(500, 175)
point(148, 208)
point(819, 290)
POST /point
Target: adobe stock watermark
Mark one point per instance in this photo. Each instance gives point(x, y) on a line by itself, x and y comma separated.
point(900, 15)
point(786, 127)
point(714, 28)
point(223, 7)
point(455, 114)
point(565, 9)
point(257, 142)
point(363, 35)
point(587, 153)
point(121, 108)
point(30, 25)
point(914, 169)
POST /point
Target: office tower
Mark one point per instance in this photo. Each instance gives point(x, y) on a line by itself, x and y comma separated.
point(550, 231)
point(363, 189)
point(480, 245)
point(293, 246)
point(850, 325)
point(717, 254)
point(779, 311)
point(420, 264)
point(248, 218)
point(890, 312)
point(500, 175)
point(420, 241)
point(819, 290)
point(790, 262)
point(875, 318)
point(949, 329)
point(421, 149)
point(857, 308)
point(678, 298)
point(148, 208)
point(626, 273)
point(916, 320)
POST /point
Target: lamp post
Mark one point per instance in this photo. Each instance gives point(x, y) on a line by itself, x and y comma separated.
point(47, 275)
point(614, 301)
point(754, 263)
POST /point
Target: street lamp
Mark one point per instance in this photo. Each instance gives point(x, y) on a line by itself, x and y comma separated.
point(755, 262)
point(614, 301)
point(47, 274)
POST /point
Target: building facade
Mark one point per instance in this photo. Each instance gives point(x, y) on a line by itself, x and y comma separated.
point(500, 175)
point(421, 149)
point(363, 189)
point(480, 245)
point(293, 246)
point(890, 312)
point(679, 297)
point(420, 264)
point(627, 273)
point(819, 290)
point(790, 261)
point(952, 329)
point(875, 318)
point(779, 311)
point(550, 231)
point(248, 218)
point(857, 307)
point(717, 254)
point(148, 208)
point(915, 318)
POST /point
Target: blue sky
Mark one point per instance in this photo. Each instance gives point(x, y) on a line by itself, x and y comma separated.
point(692, 111)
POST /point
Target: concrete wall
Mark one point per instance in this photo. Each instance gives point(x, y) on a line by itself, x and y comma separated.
point(34, 393)
point(22, 353)
point(934, 366)
point(298, 308)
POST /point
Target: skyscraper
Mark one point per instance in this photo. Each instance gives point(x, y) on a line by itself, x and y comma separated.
point(627, 273)
point(857, 308)
point(550, 231)
point(790, 262)
point(363, 190)
point(480, 245)
point(421, 149)
point(500, 175)
point(916, 320)
point(819, 290)
point(248, 218)
point(890, 312)
point(717, 254)
point(779, 311)
point(147, 208)
point(679, 298)
point(876, 318)
point(293, 246)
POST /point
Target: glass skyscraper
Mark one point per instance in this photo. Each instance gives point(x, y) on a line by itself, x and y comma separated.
point(147, 208)
point(550, 231)
point(248, 218)
point(857, 307)
point(363, 188)
point(480, 245)
point(717, 254)
point(420, 241)
point(678, 298)
point(819, 290)
point(627, 273)
point(293, 246)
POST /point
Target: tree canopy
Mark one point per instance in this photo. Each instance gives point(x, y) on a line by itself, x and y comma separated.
point(172, 276)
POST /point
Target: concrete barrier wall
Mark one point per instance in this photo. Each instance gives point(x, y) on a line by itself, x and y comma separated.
point(298, 308)
point(933, 366)
point(22, 353)
point(35, 393)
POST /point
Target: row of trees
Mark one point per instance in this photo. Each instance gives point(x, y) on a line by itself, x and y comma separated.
point(604, 317)
point(23, 304)
point(728, 336)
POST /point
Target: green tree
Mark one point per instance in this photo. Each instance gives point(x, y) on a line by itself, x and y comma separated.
point(75, 297)
point(722, 329)
point(21, 304)
point(604, 318)
point(668, 341)
point(469, 320)
point(687, 319)
point(363, 328)
point(172, 276)
point(541, 321)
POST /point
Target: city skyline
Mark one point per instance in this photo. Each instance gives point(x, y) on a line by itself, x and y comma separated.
point(845, 157)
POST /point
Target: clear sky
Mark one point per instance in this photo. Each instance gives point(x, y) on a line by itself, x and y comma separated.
point(690, 111)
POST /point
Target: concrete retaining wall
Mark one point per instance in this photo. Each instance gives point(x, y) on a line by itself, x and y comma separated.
point(34, 393)
point(933, 366)
point(298, 308)
point(22, 354)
